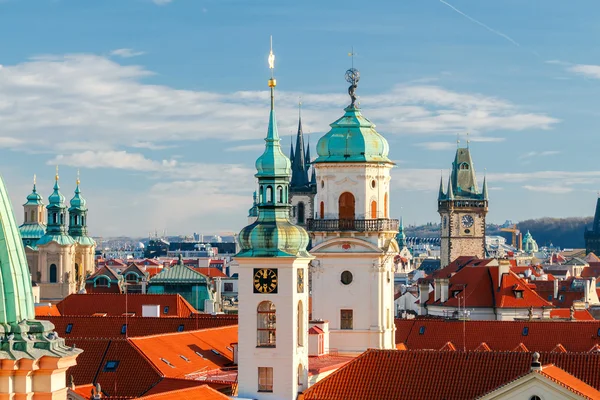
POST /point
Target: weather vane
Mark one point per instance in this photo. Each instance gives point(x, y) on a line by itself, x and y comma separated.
point(352, 77)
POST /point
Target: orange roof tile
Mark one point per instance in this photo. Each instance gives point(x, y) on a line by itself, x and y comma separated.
point(317, 365)
point(391, 374)
point(448, 347)
point(46, 309)
point(567, 380)
point(210, 272)
point(117, 304)
point(180, 354)
point(579, 315)
point(203, 392)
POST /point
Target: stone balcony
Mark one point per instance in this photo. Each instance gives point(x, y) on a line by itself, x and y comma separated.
point(353, 225)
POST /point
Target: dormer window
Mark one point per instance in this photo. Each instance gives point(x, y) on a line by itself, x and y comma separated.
point(518, 294)
point(455, 293)
point(464, 166)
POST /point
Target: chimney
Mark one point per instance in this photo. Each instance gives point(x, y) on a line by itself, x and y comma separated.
point(520, 241)
point(444, 283)
point(503, 268)
point(423, 297)
point(555, 288)
point(536, 365)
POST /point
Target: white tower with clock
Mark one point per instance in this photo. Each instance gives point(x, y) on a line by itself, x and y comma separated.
point(462, 208)
point(273, 296)
point(352, 235)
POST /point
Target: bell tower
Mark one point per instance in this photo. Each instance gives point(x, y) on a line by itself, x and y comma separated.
point(86, 246)
point(273, 283)
point(462, 208)
point(352, 234)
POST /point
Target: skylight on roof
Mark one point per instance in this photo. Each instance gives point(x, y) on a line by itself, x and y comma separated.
point(525, 331)
point(167, 362)
point(166, 310)
point(184, 358)
point(123, 329)
point(111, 366)
point(421, 330)
point(199, 354)
point(216, 352)
point(69, 328)
point(180, 328)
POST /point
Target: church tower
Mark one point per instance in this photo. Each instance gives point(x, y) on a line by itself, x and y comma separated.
point(462, 209)
point(56, 251)
point(352, 235)
point(273, 290)
point(86, 246)
point(302, 186)
point(33, 228)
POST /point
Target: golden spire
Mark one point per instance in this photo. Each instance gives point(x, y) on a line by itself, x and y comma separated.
point(272, 81)
point(78, 181)
point(56, 177)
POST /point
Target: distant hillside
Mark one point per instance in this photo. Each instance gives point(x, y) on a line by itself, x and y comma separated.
point(562, 232)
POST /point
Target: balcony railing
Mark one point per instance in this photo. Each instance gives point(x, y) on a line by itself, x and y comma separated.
point(356, 225)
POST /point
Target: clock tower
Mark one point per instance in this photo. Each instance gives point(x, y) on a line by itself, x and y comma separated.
point(273, 290)
point(462, 208)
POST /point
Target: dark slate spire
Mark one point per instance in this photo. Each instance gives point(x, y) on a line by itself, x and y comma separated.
point(299, 171)
point(307, 157)
point(441, 194)
point(291, 149)
point(596, 227)
point(313, 178)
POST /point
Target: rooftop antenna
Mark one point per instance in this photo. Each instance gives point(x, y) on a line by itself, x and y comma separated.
point(457, 140)
point(468, 140)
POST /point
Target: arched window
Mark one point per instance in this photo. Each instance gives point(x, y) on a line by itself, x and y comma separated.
point(260, 194)
point(77, 272)
point(346, 206)
point(385, 206)
point(300, 378)
point(76, 219)
point(32, 215)
point(373, 209)
point(25, 216)
point(102, 281)
point(266, 324)
point(54, 218)
point(464, 166)
point(301, 213)
point(269, 194)
point(40, 216)
point(132, 277)
point(53, 273)
point(62, 218)
point(279, 194)
point(322, 210)
point(300, 324)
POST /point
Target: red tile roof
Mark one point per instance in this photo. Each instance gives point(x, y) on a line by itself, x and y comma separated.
point(593, 271)
point(317, 365)
point(203, 392)
point(189, 352)
point(575, 336)
point(392, 374)
point(210, 272)
point(115, 304)
point(111, 327)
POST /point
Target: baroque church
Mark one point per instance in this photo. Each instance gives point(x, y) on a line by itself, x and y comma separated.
point(59, 251)
point(351, 263)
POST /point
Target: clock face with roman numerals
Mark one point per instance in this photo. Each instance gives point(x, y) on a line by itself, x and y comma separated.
point(265, 280)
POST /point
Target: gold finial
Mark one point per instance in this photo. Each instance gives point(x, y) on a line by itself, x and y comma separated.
point(468, 140)
point(34, 179)
point(56, 177)
point(271, 59)
point(78, 181)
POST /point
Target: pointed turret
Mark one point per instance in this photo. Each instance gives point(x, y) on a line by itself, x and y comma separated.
point(441, 194)
point(450, 191)
point(291, 149)
point(272, 234)
point(401, 236)
point(299, 170)
point(313, 178)
point(485, 189)
point(78, 218)
point(307, 165)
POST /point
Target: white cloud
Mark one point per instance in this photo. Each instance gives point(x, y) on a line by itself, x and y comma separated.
point(546, 153)
point(112, 159)
point(126, 53)
point(247, 147)
point(589, 71)
point(84, 98)
point(436, 146)
point(554, 189)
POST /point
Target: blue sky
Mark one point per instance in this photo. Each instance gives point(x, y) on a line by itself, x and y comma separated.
point(162, 105)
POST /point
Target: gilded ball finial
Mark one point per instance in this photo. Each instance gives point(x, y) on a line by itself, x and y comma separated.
point(271, 60)
point(56, 177)
point(78, 181)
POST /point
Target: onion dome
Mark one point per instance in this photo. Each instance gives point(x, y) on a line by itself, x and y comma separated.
point(34, 199)
point(353, 137)
point(78, 202)
point(272, 234)
point(56, 198)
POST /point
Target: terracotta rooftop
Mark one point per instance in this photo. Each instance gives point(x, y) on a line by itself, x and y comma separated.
point(211, 272)
point(318, 365)
point(433, 334)
point(203, 392)
point(567, 380)
point(565, 313)
point(115, 304)
point(456, 375)
point(46, 309)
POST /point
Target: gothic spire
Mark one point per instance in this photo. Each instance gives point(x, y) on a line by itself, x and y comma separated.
point(299, 170)
point(441, 194)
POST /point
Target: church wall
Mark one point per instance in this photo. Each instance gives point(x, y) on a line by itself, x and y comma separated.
point(309, 209)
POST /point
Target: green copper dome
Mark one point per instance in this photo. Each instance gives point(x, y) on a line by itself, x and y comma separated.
point(34, 199)
point(77, 202)
point(56, 198)
point(352, 138)
point(272, 234)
